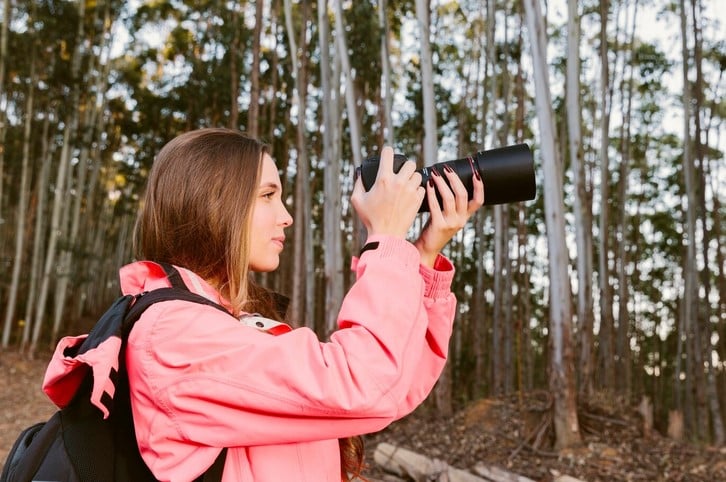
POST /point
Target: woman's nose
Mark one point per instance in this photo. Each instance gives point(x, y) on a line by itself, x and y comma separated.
point(286, 219)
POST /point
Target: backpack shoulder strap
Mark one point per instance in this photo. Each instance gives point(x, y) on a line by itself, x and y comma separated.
point(177, 291)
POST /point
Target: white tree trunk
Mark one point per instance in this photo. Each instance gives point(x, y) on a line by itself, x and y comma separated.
point(582, 206)
point(90, 115)
point(567, 428)
point(691, 300)
point(333, 252)
point(36, 260)
point(304, 280)
point(64, 162)
point(606, 297)
point(254, 110)
point(430, 147)
point(22, 210)
point(386, 72)
point(350, 98)
point(3, 116)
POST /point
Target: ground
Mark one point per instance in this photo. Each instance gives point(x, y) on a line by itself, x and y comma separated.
point(512, 433)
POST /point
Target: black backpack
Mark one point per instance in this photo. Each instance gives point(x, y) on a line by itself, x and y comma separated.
point(76, 444)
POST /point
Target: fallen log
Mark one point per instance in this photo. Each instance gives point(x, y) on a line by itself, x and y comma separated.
point(405, 463)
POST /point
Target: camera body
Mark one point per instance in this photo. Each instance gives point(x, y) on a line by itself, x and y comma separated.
point(507, 173)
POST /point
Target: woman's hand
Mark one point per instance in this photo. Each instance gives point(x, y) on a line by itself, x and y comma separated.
point(444, 223)
point(390, 206)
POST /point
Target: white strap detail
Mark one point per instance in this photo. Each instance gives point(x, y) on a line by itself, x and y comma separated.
point(255, 320)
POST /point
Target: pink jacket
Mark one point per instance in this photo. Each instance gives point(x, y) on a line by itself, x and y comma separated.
point(201, 380)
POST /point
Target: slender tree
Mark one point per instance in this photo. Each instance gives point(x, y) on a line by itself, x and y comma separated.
point(606, 298)
point(561, 367)
point(3, 114)
point(333, 216)
point(582, 203)
point(304, 282)
point(711, 389)
point(253, 113)
point(234, 50)
point(36, 261)
point(23, 195)
point(430, 145)
point(69, 131)
point(386, 74)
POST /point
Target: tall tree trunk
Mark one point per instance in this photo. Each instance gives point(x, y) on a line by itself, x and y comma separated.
point(717, 424)
point(304, 282)
point(36, 261)
point(691, 303)
point(71, 123)
point(386, 77)
point(253, 115)
point(582, 204)
point(91, 113)
point(233, 71)
point(504, 136)
point(3, 114)
point(606, 351)
point(350, 98)
point(562, 380)
point(93, 151)
point(350, 105)
point(333, 251)
point(430, 145)
point(498, 362)
point(22, 208)
point(622, 346)
point(489, 115)
point(526, 306)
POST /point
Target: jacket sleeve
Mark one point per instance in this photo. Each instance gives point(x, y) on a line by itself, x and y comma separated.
point(219, 383)
point(440, 306)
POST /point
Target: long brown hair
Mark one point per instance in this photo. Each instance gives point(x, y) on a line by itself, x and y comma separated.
point(198, 204)
point(196, 213)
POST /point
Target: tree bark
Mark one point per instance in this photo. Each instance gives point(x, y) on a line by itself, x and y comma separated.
point(253, 115)
point(22, 208)
point(3, 114)
point(582, 204)
point(622, 346)
point(304, 283)
point(606, 341)
point(711, 388)
point(430, 144)
point(333, 252)
point(350, 106)
point(36, 261)
point(561, 377)
point(71, 123)
point(386, 77)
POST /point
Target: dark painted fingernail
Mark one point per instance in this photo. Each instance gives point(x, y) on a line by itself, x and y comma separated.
point(431, 182)
point(448, 168)
point(435, 171)
point(476, 173)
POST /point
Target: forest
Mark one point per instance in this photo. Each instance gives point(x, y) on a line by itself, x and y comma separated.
point(612, 281)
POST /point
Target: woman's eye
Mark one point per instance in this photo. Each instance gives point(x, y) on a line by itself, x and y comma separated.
point(268, 195)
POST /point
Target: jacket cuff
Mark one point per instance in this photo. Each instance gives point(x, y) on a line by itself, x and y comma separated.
point(437, 280)
point(385, 246)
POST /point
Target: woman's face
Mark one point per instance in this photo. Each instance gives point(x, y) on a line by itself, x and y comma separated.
point(269, 220)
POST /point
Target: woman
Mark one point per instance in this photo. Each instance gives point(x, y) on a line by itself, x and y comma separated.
point(288, 406)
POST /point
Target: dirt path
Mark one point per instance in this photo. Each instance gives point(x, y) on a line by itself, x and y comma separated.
point(22, 402)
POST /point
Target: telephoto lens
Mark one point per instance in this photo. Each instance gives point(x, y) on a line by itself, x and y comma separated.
point(507, 173)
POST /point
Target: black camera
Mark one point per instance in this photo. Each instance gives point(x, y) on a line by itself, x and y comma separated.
point(507, 173)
